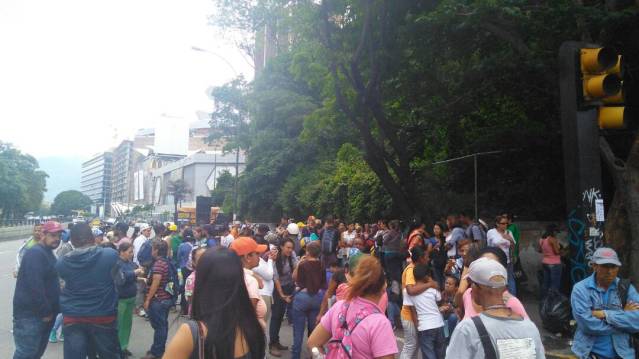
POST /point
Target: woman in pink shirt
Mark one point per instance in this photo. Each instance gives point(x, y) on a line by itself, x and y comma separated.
point(472, 309)
point(551, 262)
point(369, 333)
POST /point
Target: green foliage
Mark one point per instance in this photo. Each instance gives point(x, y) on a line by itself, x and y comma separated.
point(66, 202)
point(22, 184)
point(178, 189)
point(349, 117)
point(222, 195)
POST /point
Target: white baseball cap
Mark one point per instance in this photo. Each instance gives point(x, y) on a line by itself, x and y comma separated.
point(144, 226)
point(488, 272)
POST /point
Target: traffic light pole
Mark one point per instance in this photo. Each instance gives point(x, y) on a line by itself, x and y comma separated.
point(582, 165)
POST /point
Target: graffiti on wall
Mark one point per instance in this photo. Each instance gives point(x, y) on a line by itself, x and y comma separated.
point(585, 233)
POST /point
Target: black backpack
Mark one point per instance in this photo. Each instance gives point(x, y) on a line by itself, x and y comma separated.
point(622, 289)
point(327, 241)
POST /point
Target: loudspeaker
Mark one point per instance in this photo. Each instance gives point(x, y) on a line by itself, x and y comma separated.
point(203, 210)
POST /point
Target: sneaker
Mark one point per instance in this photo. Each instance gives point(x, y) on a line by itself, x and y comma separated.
point(274, 351)
point(142, 313)
point(61, 337)
point(52, 337)
point(279, 346)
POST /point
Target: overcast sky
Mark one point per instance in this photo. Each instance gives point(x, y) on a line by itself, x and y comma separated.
point(74, 74)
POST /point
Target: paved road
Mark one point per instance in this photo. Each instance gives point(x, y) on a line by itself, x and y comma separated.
point(141, 337)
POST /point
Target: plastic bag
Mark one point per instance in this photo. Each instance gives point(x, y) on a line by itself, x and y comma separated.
point(556, 312)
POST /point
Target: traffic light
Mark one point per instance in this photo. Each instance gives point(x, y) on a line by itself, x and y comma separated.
point(602, 85)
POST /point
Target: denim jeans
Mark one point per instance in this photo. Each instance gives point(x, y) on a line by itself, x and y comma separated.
point(159, 318)
point(305, 310)
point(512, 286)
point(552, 277)
point(432, 343)
point(409, 350)
point(31, 336)
point(449, 325)
point(277, 313)
point(85, 339)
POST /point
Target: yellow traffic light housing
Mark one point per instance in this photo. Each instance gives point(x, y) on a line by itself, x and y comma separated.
point(602, 83)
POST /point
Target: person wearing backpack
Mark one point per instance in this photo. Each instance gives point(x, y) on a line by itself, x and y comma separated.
point(497, 329)
point(606, 309)
point(356, 327)
point(329, 240)
point(159, 297)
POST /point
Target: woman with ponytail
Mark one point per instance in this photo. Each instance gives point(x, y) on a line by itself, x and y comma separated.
point(356, 327)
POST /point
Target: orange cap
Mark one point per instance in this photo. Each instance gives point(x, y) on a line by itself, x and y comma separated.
point(245, 245)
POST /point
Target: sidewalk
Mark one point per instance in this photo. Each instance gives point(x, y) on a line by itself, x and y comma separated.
point(555, 346)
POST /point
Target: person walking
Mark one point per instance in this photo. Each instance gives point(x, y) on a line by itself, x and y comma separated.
point(126, 282)
point(223, 324)
point(310, 280)
point(36, 300)
point(285, 264)
point(185, 263)
point(158, 301)
point(356, 327)
point(497, 328)
point(606, 310)
point(89, 299)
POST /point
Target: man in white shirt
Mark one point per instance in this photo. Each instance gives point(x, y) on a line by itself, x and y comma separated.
point(145, 234)
point(497, 332)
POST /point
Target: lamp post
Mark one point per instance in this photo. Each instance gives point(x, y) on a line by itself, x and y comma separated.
point(237, 150)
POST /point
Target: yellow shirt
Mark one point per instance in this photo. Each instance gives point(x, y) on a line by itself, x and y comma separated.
point(407, 279)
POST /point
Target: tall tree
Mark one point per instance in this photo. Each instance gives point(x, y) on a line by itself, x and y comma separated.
point(68, 201)
point(179, 190)
point(22, 184)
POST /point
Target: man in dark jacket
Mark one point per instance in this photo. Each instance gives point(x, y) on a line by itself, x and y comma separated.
point(37, 295)
point(89, 299)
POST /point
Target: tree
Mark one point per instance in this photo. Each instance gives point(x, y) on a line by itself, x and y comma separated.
point(22, 184)
point(222, 195)
point(66, 202)
point(178, 189)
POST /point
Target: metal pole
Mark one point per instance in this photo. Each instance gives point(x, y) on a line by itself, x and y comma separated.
point(237, 165)
point(476, 214)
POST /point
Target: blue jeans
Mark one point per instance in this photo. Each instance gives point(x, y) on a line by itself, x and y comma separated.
point(449, 324)
point(512, 286)
point(432, 343)
point(85, 339)
point(305, 310)
point(159, 318)
point(31, 336)
point(552, 277)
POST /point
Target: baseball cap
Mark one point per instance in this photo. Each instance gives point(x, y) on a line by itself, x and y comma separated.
point(488, 272)
point(292, 228)
point(605, 255)
point(97, 232)
point(144, 226)
point(172, 227)
point(52, 227)
point(246, 245)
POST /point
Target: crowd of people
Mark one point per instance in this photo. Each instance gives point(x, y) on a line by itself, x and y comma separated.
point(347, 287)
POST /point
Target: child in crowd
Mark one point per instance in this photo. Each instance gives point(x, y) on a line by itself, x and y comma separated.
point(189, 284)
point(447, 305)
point(429, 321)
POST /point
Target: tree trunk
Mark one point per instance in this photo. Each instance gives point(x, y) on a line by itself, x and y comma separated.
point(622, 228)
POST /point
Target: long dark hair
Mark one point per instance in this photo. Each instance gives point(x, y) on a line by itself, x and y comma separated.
point(279, 261)
point(221, 302)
